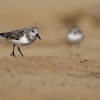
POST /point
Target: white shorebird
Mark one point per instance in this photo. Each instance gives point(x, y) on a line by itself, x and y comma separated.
point(74, 36)
point(21, 37)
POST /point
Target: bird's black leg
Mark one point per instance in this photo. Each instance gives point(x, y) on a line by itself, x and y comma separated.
point(20, 51)
point(78, 46)
point(13, 54)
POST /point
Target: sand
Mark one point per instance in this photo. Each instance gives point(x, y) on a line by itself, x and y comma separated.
point(48, 71)
point(49, 78)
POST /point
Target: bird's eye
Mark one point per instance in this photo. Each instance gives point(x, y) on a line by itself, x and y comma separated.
point(33, 31)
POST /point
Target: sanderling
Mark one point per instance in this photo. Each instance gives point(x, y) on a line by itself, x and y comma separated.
point(75, 36)
point(21, 37)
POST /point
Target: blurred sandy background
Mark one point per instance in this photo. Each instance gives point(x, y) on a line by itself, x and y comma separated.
point(46, 77)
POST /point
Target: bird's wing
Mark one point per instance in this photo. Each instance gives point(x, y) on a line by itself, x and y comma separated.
point(16, 34)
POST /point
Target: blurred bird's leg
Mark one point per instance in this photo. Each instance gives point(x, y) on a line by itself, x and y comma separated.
point(13, 54)
point(78, 50)
point(78, 45)
point(20, 51)
point(71, 51)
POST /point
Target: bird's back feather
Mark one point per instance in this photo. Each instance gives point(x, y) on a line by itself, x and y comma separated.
point(16, 34)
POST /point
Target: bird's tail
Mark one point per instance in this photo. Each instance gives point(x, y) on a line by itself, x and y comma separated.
point(2, 35)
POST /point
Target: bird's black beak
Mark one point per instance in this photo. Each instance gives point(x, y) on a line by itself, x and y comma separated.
point(38, 36)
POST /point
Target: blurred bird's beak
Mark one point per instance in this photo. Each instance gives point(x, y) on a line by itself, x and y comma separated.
point(38, 36)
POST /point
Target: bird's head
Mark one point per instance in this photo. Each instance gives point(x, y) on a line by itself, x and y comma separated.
point(35, 30)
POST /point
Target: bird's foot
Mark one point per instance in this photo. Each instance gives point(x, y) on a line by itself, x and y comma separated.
point(12, 54)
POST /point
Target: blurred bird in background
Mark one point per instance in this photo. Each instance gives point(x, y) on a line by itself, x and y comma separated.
point(74, 37)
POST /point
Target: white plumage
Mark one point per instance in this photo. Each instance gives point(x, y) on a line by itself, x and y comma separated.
point(23, 40)
point(74, 36)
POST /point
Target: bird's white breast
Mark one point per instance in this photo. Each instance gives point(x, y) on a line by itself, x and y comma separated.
point(74, 37)
point(23, 40)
